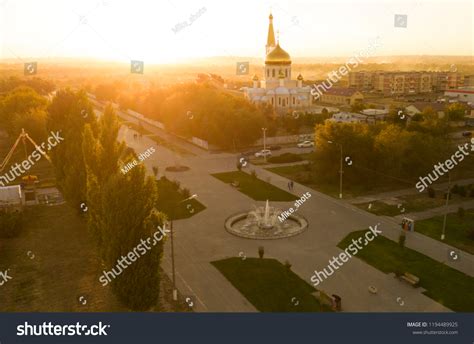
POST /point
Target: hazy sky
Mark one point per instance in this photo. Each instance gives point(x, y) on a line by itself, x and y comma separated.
point(143, 30)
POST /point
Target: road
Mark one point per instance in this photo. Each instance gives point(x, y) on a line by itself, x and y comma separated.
point(202, 239)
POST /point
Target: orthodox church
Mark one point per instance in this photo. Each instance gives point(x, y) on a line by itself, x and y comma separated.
point(277, 88)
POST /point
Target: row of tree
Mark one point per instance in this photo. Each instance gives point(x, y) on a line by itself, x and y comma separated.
point(41, 86)
point(121, 208)
point(381, 152)
point(197, 109)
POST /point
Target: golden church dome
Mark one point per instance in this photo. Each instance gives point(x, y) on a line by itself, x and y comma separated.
point(300, 77)
point(255, 77)
point(278, 56)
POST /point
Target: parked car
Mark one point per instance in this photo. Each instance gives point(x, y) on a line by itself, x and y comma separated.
point(263, 153)
point(466, 133)
point(306, 144)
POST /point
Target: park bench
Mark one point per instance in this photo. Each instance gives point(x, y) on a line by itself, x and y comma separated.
point(411, 279)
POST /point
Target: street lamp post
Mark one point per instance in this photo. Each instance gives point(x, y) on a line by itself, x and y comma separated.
point(175, 290)
point(447, 202)
point(264, 144)
point(340, 169)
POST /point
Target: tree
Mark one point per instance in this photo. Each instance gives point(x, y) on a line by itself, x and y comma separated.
point(34, 123)
point(357, 107)
point(41, 86)
point(378, 152)
point(107, 92)
point(126, 221)
point(455, 111)
point(65, 115)
point(122, 213)
point(17, 106)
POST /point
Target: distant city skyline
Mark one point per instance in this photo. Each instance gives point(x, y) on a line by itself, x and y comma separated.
point(178, 30)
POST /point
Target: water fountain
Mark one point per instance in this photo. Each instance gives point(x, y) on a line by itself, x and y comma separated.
point(263, 223)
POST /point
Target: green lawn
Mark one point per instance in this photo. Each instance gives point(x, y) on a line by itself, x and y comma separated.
point(300, 174)
point(255, 188)
point(380, 208)
point(54, 261)
point(170, 197)
point(457, 230)
point(187, 209)
point(443, 284)
point(281, 159)
point(269, 285)
point(411, 203)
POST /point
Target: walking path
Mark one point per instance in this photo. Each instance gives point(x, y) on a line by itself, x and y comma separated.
point(405, 192)
point(451, 208)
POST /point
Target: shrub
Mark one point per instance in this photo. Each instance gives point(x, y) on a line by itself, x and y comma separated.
point(287, 264)
point(261, 251)
point(431, 192)
point(461, 212)
point(175, 184)
point(401, 239)
point(185, 193)
point(155, 171)
point(253, 173)
point(11, 224)
point(462, 191)
point(285, 157)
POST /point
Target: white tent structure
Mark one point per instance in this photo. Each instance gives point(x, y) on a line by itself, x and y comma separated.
point(10, 197)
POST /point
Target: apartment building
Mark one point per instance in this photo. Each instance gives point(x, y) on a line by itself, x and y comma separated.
point(404, 83)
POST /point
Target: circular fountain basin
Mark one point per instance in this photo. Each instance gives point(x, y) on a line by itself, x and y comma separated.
point(240, 225)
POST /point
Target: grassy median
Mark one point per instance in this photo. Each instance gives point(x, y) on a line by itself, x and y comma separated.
point(269, 285)
point(255, 188)
point(443, 284)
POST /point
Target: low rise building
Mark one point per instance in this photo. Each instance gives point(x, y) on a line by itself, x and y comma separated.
point(341, 96)
point(348, 117)
point(418, 107)
point(11, 198)
point(465, 94)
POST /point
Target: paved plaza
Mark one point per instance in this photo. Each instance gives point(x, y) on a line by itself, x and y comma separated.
point(202, 238)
